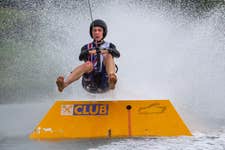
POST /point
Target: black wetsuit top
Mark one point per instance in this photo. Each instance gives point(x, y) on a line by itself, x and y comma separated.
point(84, 50)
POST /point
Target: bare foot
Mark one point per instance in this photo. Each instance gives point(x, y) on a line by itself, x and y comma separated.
point(112, 81)
point(60, 83)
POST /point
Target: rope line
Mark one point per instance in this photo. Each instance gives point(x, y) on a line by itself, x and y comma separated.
point(90, 10)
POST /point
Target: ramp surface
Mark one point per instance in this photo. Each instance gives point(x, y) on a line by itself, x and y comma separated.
point(102, 119)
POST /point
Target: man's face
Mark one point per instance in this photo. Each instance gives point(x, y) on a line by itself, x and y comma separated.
point(97, 33)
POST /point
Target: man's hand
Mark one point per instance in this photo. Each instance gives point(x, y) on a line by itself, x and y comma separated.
point(92, 52)
point(104, 51)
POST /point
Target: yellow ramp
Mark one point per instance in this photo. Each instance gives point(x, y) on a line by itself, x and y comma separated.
point(103, 119)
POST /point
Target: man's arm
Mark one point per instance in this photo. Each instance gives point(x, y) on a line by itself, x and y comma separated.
point(83, 53)
point(113, 51)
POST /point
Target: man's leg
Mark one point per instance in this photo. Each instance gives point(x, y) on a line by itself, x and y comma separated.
point(75, 75)
point(110, 69)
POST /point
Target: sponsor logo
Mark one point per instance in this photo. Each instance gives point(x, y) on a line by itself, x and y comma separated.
point(90, 109)
point(84, 109)
point(66, 110)
point(155, 108)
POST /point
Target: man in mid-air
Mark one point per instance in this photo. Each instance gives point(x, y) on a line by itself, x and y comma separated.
point(98, 70)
